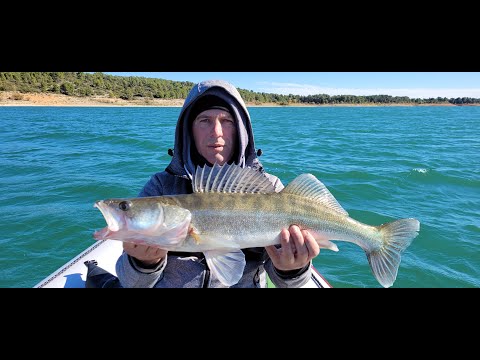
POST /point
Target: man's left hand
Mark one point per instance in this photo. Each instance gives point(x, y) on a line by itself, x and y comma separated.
point(298, 248)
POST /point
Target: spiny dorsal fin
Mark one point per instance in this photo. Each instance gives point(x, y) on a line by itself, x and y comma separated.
point(230, 179)
point(309, 186)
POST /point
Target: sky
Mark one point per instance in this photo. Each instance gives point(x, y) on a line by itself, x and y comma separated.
point(422, 85)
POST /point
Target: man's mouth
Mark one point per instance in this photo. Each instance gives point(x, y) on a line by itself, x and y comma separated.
point(217, 146)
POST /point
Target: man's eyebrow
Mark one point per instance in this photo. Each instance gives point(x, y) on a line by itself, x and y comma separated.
point(224, 115)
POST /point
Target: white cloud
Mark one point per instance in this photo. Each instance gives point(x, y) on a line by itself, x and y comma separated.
point(422, 93)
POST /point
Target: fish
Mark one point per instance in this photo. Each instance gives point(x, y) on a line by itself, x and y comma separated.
point(234, 207)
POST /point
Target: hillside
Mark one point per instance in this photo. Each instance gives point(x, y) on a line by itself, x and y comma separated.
point(98, 89)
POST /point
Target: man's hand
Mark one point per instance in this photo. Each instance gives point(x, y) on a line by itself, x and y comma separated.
point(147, 255)
point(298, 248)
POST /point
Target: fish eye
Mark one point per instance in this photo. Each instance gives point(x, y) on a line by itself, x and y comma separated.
point(124, 205)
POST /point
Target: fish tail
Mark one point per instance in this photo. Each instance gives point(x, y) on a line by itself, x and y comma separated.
point(397, 236)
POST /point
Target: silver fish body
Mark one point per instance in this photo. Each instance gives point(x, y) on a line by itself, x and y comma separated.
point(234, 208)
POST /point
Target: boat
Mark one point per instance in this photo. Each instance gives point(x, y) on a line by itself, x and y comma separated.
point(95, 268)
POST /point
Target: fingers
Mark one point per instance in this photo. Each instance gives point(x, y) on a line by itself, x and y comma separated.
point(273, 253)
point(129, 246)
point(143, 252)
point(288, 245)
point(297, 242)
point(311, 244)
point(298, 248)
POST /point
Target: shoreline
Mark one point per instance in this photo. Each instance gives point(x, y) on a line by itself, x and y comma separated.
point(11, 98)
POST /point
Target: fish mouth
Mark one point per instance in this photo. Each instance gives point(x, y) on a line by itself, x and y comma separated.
point(102, 234)
point(112, 223)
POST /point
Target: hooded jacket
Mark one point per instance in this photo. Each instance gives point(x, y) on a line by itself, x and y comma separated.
point(190, 269)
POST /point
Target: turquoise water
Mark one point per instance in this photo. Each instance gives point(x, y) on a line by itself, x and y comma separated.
point(381, 163)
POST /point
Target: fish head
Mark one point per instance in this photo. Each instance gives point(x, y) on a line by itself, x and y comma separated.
point(143, 220)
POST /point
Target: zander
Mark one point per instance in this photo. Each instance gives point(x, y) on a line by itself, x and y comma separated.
point(232, 208)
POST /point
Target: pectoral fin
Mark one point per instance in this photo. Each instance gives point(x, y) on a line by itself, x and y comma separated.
point(226, 266)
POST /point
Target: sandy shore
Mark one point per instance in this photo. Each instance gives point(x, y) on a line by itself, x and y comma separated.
point(9, 98)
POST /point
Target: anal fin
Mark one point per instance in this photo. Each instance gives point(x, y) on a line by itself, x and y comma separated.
point(226, 266)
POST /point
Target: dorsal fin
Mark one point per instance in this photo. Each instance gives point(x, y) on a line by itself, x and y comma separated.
point(230, 179)
point(309, 186)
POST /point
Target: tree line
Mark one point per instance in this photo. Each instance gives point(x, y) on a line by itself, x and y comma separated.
point(84, 84)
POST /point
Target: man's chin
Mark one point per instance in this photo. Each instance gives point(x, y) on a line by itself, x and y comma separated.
point(219, 160)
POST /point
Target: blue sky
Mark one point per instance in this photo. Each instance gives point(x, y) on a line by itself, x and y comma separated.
point(411, 84)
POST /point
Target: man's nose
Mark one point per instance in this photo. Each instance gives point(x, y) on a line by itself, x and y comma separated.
point(217, 128)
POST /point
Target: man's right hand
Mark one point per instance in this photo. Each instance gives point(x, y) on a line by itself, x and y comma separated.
point(147, 255)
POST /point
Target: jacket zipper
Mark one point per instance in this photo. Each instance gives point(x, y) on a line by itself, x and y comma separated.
point(206, 278)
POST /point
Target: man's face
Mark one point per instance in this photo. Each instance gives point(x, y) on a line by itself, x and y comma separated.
point(215, 135)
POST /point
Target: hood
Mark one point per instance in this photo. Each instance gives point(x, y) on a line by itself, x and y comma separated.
point(181, 163)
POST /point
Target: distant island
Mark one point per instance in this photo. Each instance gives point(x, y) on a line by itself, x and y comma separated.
point(98, 89)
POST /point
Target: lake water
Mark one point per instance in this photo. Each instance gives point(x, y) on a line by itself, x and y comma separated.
point(381, 163)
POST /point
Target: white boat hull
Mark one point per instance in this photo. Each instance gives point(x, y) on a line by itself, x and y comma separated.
point(74, 273)
point(106, 252)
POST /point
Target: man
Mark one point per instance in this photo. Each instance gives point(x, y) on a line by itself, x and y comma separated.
point(214, 127)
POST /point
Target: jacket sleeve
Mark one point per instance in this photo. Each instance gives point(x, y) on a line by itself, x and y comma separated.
point(131, 275)
point(288, 279)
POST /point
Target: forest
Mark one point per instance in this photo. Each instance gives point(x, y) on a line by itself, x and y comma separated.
point(84, 84)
